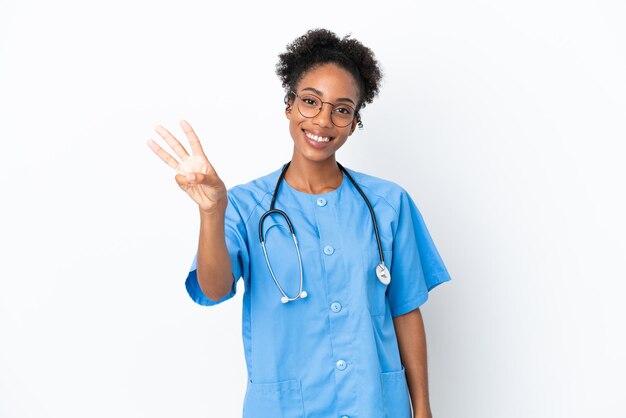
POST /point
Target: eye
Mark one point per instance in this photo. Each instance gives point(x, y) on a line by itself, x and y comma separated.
point(344, 110)
point(311, 101)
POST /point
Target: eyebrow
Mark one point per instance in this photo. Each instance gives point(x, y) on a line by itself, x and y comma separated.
point(319, 93)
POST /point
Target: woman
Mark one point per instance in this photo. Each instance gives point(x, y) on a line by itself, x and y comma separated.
point(331, 319)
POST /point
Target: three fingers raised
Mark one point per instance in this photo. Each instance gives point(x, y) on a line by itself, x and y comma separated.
point(179, 149)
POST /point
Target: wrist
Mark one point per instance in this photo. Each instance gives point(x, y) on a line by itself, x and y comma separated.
point(216, 213)
point(425, 413)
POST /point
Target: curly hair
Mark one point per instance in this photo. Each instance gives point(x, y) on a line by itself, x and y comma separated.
point(321, 46)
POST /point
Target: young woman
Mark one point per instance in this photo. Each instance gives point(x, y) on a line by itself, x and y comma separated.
point(335, 263)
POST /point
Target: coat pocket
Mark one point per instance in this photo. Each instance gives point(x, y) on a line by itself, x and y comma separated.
point(277, 399)
point(396, 394)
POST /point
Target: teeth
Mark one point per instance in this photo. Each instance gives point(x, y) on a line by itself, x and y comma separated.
point(318, 138)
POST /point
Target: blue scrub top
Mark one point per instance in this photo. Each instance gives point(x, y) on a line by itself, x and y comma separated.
point(334, 353)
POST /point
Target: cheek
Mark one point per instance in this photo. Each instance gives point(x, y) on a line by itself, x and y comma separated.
point(294, 128)
point(340, 142)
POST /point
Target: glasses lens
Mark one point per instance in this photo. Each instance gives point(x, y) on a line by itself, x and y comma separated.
point(342, 115)
point(309, 105)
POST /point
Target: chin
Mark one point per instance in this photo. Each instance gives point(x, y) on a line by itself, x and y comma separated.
point(317, 156)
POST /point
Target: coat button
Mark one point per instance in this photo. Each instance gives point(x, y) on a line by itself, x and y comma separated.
point(341, 364)
point(328, 250)
point(335, 307)
point(321, 202)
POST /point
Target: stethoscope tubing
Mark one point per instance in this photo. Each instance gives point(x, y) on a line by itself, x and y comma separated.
point(369, 206)
point(381, 271)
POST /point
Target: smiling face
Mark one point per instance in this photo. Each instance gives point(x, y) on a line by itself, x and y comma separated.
point(317, 138)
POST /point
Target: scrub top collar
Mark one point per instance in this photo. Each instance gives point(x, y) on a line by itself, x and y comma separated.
point(333, 194)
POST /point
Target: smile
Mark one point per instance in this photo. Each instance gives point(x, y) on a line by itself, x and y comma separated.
point(317, 138)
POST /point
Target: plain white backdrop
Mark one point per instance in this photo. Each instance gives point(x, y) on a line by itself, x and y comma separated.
point(504, 120)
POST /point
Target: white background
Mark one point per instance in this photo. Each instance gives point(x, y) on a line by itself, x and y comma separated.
point(504, 120)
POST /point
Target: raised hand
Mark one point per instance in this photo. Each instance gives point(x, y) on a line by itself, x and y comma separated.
point(194, 173)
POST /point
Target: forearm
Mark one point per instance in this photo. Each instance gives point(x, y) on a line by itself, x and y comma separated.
point(214, 269)
point(412, 344)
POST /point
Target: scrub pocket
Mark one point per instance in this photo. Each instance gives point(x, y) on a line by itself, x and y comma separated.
point(277, 400)
point(376, 291)
point(396, 394)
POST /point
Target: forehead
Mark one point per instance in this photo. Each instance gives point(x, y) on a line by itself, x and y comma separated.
point(331, 80)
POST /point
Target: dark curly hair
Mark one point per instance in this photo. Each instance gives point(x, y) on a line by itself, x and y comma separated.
point(321, 46)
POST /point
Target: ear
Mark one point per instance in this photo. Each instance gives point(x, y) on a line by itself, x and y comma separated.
point(289, 106)
point(288, 111)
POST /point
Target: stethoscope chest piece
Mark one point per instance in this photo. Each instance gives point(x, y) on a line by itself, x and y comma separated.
point(382, 272)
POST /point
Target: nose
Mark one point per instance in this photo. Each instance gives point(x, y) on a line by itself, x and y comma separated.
point(324, 118)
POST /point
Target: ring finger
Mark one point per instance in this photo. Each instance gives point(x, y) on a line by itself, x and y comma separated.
point(172, 142)
point(164, 155)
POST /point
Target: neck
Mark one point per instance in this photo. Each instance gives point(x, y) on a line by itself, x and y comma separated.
point(314, 177)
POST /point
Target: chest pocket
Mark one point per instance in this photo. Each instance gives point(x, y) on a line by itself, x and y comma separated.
point(376, 291)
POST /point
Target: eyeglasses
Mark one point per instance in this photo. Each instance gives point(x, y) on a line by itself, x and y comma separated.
point(310, 106)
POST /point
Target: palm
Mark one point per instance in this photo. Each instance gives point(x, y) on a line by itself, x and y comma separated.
point(194, 164)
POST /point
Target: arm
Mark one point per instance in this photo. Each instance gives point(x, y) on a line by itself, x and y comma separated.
point(214, 268)
point(197, 177)
point(412, 344)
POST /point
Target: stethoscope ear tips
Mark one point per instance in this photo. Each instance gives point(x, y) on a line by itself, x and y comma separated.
point(302, 295)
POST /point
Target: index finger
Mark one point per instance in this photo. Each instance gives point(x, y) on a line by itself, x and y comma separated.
point(194, 142)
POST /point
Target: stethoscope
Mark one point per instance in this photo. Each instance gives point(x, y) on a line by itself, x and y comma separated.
point(381, 270)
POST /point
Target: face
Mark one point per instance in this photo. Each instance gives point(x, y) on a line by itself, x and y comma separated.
point(330, 83)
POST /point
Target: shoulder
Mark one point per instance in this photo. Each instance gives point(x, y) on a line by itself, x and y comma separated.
point(246, 197)
point(376, 187)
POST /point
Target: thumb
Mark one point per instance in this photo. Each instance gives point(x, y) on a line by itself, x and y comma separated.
point(196, 178)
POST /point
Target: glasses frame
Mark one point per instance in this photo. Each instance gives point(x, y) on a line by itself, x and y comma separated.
point(355, 115)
